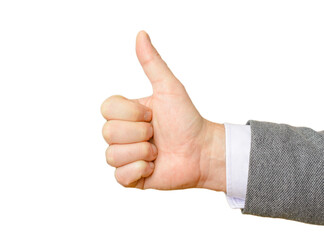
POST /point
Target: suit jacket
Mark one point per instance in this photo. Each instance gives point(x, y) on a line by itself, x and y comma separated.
point(286, 173)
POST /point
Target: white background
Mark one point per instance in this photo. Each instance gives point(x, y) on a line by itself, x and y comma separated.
point(59, 60)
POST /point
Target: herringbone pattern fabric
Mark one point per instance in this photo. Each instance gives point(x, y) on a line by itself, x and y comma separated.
point(286, 173)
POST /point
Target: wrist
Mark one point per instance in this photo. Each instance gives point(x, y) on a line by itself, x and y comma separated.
point(213, 157)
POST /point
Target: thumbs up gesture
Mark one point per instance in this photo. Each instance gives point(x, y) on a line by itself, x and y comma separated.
point(161, 141)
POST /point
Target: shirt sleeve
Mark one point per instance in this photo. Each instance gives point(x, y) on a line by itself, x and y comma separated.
point(238, 146)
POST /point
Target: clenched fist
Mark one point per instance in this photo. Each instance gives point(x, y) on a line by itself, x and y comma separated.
point(161, 141)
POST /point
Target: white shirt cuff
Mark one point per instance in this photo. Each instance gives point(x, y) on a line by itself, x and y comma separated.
point(238, 146)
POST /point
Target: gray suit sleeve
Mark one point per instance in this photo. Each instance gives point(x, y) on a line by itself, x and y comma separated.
point(286, 173)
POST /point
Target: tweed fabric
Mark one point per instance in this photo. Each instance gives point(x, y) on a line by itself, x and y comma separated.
point(286, 173)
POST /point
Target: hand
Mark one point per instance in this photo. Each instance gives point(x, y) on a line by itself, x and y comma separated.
point(161, 141)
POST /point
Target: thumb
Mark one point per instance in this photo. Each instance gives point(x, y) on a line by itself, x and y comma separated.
point(159, 74)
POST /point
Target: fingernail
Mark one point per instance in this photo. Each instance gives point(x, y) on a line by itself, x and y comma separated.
point(147, 116)
point(155, 151)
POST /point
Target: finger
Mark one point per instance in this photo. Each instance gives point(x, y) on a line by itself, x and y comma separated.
point(118, 155)
point(116, 131)
point(130, 173)
point(155, 68)
point(121, 108)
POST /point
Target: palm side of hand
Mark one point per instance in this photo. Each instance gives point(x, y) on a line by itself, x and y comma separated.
point(178, 133)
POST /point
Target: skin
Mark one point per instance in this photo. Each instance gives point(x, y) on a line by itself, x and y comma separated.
point(161, 141)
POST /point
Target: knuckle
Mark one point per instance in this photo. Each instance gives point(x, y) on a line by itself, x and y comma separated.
point(109, 156)
point(148, 60)
point(151, 58)
point(107, 132)
point(114, 98)
point(182, 86)
point(118, 177)
point(140, 166)
point(108, 104)
point(124, 181)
